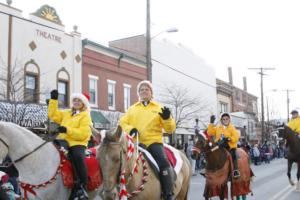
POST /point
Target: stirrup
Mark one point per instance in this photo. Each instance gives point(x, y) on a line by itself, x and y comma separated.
point(81, 194)
point(236, 174)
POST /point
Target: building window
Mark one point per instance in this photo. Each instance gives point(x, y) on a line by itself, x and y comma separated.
point(93, 81)
point(111, 94)
point(126, 96)
point(223, 107)
point(31, 82)
point(237, 96)
point(63, 93)
point(31, 88)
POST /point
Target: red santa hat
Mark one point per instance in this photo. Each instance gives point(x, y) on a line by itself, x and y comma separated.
point(84, 97)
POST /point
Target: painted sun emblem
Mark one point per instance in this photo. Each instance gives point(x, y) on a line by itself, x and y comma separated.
point(49, 14)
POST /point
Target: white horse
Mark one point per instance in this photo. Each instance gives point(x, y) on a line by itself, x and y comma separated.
point(36, 161)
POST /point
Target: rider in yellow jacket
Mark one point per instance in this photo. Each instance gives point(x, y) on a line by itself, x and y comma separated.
point(75, 130)
point(294, 123)
point(147, 119)
point(224, 134)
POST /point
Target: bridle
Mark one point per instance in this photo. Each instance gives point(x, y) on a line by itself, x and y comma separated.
point(206, 146)
point(121, 180)
point(106, 143)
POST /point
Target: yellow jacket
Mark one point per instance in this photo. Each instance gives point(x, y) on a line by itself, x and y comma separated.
point(148, 122)
point(78, 125)
point(229, 132)
point(294, 124)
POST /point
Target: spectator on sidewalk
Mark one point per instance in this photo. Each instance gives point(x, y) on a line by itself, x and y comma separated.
point(256, 154)
point(189, 153)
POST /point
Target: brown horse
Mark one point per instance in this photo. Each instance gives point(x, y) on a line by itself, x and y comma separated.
point(127, 172)
point(218, 170)
point(293, 143)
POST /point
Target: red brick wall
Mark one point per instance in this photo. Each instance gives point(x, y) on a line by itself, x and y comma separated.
point(106, 67)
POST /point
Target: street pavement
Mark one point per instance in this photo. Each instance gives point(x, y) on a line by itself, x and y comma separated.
point(270, 183)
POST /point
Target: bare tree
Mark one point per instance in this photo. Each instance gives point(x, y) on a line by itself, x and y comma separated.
point(184, 105)
point(13, 108)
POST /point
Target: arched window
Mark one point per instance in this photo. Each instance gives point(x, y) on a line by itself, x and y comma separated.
point(63, 87)
point(31, 82)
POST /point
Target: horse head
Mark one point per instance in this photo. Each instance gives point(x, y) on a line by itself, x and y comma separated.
point(281, 132)
point(286, 132)
point(112, 156)
point(201, 145)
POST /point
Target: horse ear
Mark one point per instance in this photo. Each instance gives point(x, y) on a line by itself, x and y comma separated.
point(118, 132)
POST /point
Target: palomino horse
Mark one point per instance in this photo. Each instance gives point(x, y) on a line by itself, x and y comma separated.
point(218, 170)
point(293, 142)
point(127, 172)
point(37, 162)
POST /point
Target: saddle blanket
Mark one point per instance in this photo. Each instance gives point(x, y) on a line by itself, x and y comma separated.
point(93, 168)
point(172, 154)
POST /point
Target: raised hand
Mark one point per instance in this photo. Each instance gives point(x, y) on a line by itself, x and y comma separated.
point(54, 94)
point(166, 113)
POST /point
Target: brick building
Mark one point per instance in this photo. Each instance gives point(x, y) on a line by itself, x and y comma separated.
point(241, 105)
point(111, 78)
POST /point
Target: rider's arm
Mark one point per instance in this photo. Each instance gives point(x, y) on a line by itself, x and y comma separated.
point(124, 122)
point(53, 112)
point(234, 136)
point(83, 131)
point(169, 125)
point(211, 129)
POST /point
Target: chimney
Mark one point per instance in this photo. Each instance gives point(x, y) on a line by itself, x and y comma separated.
point(245, 83)
point(230, 75)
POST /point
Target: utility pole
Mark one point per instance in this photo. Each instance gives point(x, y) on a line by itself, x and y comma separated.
point(261, 73)
point(288, 103)
point(148, 43)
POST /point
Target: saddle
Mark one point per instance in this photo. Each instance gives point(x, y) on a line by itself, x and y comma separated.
point(93, 169)
point(173, 158)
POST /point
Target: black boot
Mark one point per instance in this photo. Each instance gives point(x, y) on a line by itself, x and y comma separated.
point(236, 172)
point(166, 180)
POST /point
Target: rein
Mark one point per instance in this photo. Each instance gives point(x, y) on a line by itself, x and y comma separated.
point(31, 152)
point(4, 142)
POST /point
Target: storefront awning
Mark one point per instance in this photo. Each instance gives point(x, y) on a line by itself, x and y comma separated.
point(99, 120)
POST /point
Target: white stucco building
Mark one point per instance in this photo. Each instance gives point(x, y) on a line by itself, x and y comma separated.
point(177, 67)
point(37, 55)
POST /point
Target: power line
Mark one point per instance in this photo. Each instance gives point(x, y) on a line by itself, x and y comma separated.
point(168, 66)
point(189, 76)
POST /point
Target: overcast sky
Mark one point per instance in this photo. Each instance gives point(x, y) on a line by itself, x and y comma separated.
point(236, 33)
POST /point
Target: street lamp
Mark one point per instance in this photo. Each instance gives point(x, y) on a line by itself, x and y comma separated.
point(170, 30)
